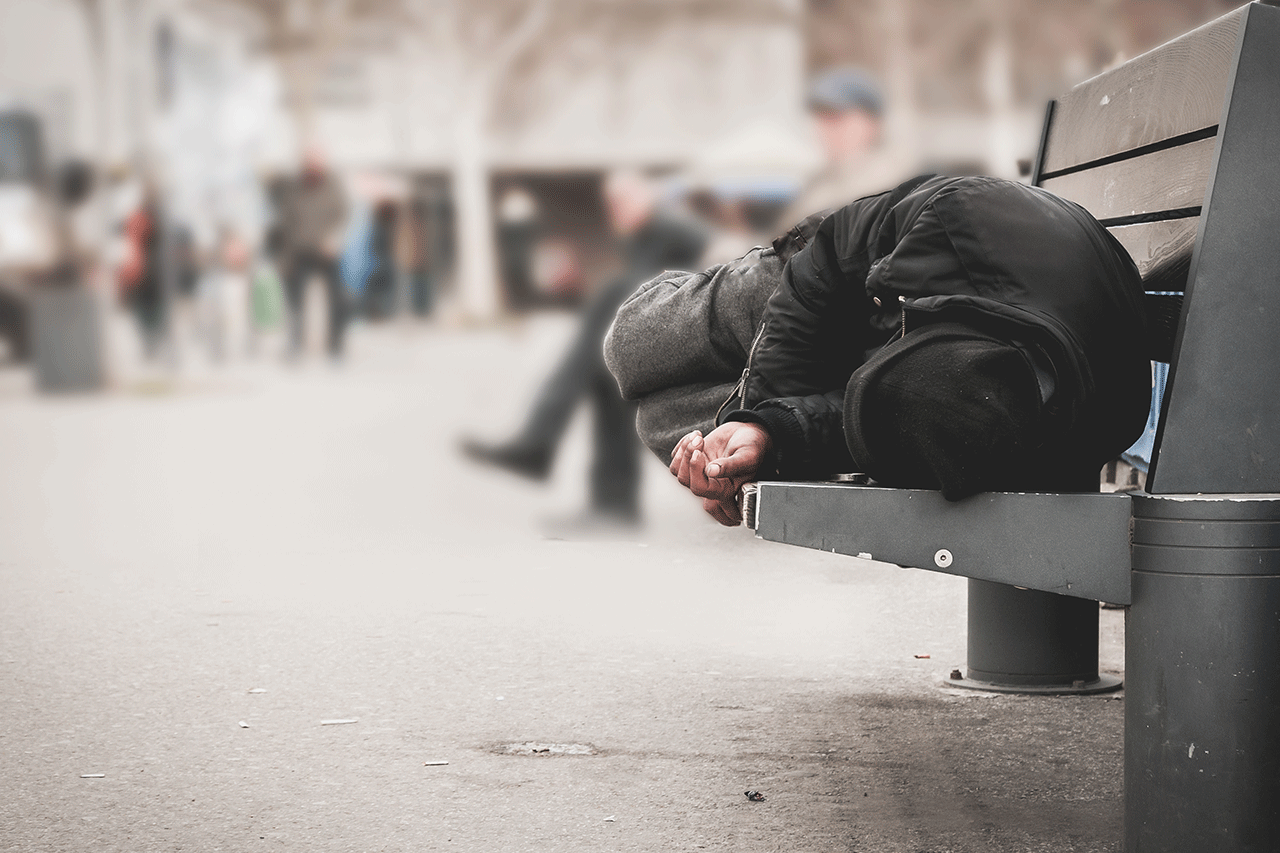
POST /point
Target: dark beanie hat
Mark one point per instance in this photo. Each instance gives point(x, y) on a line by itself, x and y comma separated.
point(945, 407)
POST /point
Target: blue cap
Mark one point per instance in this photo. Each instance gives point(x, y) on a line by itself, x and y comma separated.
point(843, 89)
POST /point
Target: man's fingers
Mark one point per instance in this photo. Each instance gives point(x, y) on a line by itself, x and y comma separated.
point(683, 443)
point(715, 466)
point(729, 515)
point(681, 454)
point(681, 469)
point(677, 459)
point(708, 487)
point(742, 462)
point(725, 512)
point(697, 473)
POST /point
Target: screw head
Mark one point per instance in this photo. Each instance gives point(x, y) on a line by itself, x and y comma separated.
point(943, 558)
point(956, 675)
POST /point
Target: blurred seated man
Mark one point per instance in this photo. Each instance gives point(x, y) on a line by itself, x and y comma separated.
point(960, 334)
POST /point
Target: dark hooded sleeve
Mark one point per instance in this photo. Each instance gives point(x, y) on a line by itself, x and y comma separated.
point(818, 327)
point(807, 433)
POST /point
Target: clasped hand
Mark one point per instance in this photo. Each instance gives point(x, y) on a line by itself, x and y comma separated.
point(715, 466)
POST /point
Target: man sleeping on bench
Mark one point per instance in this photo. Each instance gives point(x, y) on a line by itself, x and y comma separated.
point(961, 334)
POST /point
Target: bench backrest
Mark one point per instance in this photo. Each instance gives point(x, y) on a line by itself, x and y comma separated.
point(1177, 152)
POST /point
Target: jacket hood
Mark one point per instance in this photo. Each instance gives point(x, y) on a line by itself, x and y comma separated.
point(946, 407)
point(1014, 259)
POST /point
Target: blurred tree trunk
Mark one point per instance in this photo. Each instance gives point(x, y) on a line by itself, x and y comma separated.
point(484, 61)
point(477, 261)
point(997, 87)
point(902, 120)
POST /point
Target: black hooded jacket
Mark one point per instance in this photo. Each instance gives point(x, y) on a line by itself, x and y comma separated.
point(1011, 261)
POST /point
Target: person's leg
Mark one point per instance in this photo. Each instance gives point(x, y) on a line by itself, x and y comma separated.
point(295, 289)
point(615, 468)
point(560, 394)
point(14, 325)
point(148, 308)
point(531, 452)
point(421, 294)
point(577, 372)
point(337, 306)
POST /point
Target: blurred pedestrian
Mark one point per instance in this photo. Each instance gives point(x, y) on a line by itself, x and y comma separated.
point(380, 298)
point(313, 216)
point(141, 282)
point(160, 264)
point(651, 241)
point(727, 218)
point(225, 297)
point(518, 232)
point(848, 108)
point(413, 260)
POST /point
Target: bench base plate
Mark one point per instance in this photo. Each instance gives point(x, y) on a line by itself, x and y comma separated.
point(1103, 684)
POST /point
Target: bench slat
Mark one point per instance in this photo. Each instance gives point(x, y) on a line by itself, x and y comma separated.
point(1160, 246)
point(1175, 89)
point(1169, 180)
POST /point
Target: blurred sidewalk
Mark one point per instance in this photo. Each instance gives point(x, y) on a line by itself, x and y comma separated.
point(194, 577)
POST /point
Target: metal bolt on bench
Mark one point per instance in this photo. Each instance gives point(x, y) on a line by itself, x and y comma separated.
point(1174, 152)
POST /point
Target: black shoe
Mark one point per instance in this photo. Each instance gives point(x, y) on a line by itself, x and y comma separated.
point(527, 462)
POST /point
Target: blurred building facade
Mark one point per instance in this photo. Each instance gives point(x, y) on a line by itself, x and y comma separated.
point(967, 82)
point(467, 98)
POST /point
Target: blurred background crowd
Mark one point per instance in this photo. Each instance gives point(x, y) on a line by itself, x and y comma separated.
point(255, 176)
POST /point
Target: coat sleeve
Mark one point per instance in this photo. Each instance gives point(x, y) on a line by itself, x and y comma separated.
point(818, 327)
point(807, 433)
point(815, 332)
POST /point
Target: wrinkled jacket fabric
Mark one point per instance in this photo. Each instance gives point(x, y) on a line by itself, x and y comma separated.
point(1010, 260)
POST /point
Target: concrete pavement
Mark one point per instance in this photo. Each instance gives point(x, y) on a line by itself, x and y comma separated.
point(194, 580)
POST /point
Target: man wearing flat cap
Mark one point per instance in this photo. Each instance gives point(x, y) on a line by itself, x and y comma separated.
point(848, 110)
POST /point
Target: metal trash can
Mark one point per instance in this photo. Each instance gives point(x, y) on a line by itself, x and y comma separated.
point(67, 340)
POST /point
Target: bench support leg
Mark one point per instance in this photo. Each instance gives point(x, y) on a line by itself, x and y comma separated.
point(1202, 661)
point(1026, 641)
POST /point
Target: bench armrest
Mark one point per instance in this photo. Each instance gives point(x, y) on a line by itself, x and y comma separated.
point(1074, 544)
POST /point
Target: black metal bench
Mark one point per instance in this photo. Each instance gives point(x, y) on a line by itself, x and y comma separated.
point(1177, 152)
